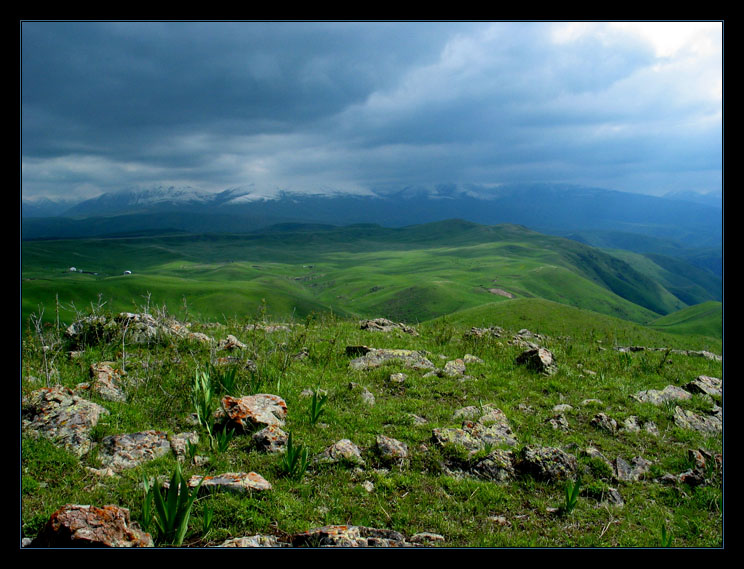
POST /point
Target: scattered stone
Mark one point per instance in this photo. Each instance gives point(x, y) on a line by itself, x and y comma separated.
point(706, 385)
point(656, 397)
point(269, 328)
point(391, 449)
point(538, 359)
point(348, 536)
point(271, 439)
point(587, 402)
point(426, 537)
point(558, 422)
point(240, 482)
point(61, 416)
point(254, 541)
point(341, 451)
point(238, 362)
point(368, 486)
point(231, 343)
point(604, 422)
point(365, 394)
point(90, 526)
point(454, 368)
point(490, 332)
point(385, 325)
point(547, 463)
point(471, 359)
point(397, 377)
point(613, 498)
point(105, 382)
point(633, 472)
point(593, 452)
point(122, 452)
point(252, 411)
point(496, 466)
point(710, 425)
point(499, 521)
point(375, 358)
point(417, 420)
point(180, 443)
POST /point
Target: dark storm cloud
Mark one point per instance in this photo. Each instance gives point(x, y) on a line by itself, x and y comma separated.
point(112, 104)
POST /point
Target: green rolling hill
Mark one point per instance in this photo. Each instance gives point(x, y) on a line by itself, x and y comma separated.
point(413, 274)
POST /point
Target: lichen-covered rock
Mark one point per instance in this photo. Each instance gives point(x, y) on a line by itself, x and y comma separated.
point(385, 325)
point(230, 343)
point(547, 463)
point(706, 385)
point(239, 482)
point(365, 394)
point(659, 397)
point(605, 423)
point(58, 414)
point(105, 381)
point(375, 358)
point(391, 449)
point(252, 411)
point(348, 536)
point(271, 439)
point(710, 424)
point(121, 452)
point(254, 541)
point(479, 333)
point(496, 466)
point(538, 359)
point(341, 451)
point(632, 472)
point(180, 443)
point(90, 526)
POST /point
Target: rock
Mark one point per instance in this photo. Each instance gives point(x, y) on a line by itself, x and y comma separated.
point(490, 332)
point(105, 382)
point(397, 378)
point(58, 414)
point(706, 385)
point(180, 443)
point(710, 425)
point(454, 368)
point(391, 449)
point(341, 451)
point(558, 422)
point(538, 359)
point(238, 362)
point(269, 328)
point(121, 452)
point(547, 463)
point(656, 397)
point(365, 394)
point(231, 343)
point(131, 328)
point(254, 541)
point(604, 422)
point(587, 402)
point(348, 536)
point(562, 408)
point(496, 466)
point(375, 358)
point(385, 325)
point(633, 472)
point(90, 526)
point(252, 411)
point(271, 439)
point(426, 537)
point(240, 482)
point(471, 359)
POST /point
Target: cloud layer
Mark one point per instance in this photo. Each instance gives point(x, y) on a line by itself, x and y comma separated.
point(369, 105)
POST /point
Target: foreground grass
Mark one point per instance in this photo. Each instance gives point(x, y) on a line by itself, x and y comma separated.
point(418, 495)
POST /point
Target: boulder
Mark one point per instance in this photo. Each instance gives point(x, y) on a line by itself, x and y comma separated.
point(547, 463)
point(105, 382)
point(385, 325)
point(348, 536)
point(375, 358)
point(704, 384)
point(341, 451)
point(538, 359)
point(710, 424)
point(656, 397)
point(252, 411)
point(240, 482)
point(58, 414)
point(271, 439)
point(122, 452)
point(90, 526)
point(390, 449)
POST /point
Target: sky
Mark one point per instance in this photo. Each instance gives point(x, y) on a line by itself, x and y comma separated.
point(369, 106)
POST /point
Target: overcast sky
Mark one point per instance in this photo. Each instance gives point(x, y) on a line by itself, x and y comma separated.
point(354, 106)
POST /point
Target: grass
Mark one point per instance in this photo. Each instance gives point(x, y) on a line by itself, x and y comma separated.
point(418, 495)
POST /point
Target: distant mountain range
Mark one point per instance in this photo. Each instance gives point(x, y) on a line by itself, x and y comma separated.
point(662, 225)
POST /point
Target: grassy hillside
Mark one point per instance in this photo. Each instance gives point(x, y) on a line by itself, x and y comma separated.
point(442, 489)
point(703, 319)
point(413, 274)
